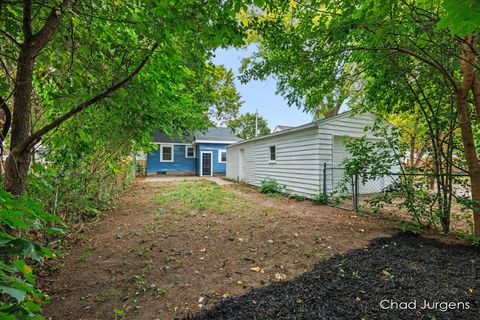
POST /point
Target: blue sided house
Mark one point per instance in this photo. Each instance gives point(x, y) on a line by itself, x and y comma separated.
point(204, 155)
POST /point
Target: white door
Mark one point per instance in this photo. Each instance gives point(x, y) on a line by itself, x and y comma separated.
point(340, 153)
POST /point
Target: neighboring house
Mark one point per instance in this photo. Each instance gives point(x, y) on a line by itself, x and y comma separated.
point(204, 155)
point(296, 157)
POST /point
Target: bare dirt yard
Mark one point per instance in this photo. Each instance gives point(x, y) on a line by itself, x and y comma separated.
point(172, 249)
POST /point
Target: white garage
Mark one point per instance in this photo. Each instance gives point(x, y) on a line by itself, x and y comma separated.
point(296, 157)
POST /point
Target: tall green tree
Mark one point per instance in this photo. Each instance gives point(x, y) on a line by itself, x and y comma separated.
point(220, 94)
point(61, 58)
point(244, 126)
point(394, 43)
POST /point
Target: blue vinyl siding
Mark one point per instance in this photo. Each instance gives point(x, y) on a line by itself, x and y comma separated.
point(182, 164)
point(179, 164)
point(215, 147)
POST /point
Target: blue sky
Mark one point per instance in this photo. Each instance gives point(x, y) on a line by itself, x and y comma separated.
point(260, 94)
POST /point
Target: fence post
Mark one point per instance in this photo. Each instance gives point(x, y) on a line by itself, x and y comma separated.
point(355, 194)
point(324, 178)
point(352, 185)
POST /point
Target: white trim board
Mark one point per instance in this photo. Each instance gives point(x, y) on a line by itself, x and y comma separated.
point(201, 162)
point(194, 151)
point(173, 143)
point(220, 156)
point(172, 146)
point(214, 141)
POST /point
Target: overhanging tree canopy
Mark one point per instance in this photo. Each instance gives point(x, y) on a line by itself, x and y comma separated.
point(62, 58)
point(309, 43)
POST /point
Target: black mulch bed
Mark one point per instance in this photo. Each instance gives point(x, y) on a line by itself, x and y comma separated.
point(403, 268)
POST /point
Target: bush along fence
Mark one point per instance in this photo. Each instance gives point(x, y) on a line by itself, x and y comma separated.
point(429, 199)
point(79, 195)
point(31, 226)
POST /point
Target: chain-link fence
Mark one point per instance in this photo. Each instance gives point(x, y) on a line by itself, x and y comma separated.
point(350, 192)
point(338, 188)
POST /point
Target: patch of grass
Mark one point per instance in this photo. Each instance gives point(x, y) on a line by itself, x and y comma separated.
point(85, 255)
point(297, 197)
point(202, 196)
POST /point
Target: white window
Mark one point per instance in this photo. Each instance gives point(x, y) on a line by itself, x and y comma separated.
point(166, 153)
point(273, 154)
point(189, 152)
point(222, 156)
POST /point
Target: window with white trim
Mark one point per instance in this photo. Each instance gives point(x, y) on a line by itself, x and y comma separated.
point(189, 152)
point(166, 153)
point(222, 156)
point(273, 154)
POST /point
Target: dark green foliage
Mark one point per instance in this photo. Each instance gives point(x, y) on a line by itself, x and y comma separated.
point(244, 126)
point(272, 188)
point(297, 197)
point(462, 18)
point(19, 218)
point(219, 93)
point(79, 194)
point(371, 160)
point(321, 198)
point(92, 111)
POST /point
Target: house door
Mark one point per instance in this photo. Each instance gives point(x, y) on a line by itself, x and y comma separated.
point(206, 163)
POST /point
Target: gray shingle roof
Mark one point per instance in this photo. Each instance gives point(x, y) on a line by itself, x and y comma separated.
point(211, 134)
point(163, 137)
point(217, 134)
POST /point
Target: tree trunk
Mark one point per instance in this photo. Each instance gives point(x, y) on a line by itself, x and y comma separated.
point(332, 112)
point(468, 59)
point(470, 156)
point(18, 162)
point(16, 172)
point(412, 151)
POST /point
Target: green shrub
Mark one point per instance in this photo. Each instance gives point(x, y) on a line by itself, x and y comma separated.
point(321, 198)
point(272, 187)
point(297, 197)
point(19, 217)
point(77, 194)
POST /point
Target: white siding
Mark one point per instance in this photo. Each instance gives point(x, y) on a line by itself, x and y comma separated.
point(297, 164)
point(233, 163)
point(300, 154)
point(344, 126)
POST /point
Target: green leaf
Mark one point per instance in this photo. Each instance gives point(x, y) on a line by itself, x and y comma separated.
point(55, 230)
point(4, 316)
point(25, 249)
point(32, 307)
point(18, 295)
point(26, 270)
point(462, 17)
point(83, 136)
